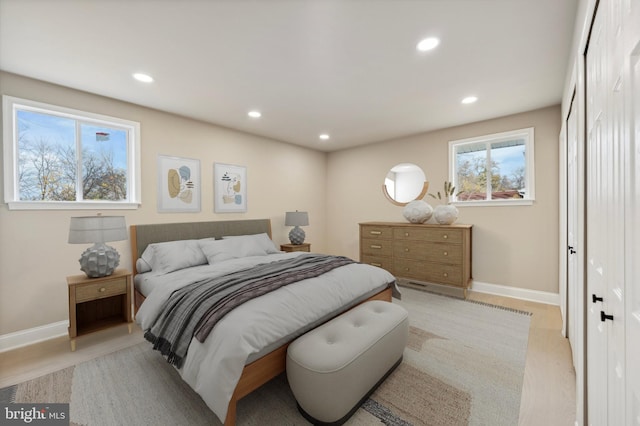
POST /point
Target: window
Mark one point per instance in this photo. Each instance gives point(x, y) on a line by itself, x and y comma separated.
point(493, 169)
point(59, 158)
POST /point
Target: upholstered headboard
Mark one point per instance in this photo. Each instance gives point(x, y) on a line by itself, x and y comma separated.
point(143, 235)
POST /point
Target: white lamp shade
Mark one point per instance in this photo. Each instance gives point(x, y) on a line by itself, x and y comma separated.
point(296, 219)
point(97, 229)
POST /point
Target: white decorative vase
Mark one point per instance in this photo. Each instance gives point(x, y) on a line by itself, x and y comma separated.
point(446, 214)
point(417, 211)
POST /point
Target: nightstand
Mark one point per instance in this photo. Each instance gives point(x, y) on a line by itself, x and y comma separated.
point(295, 247)
point(98, 303)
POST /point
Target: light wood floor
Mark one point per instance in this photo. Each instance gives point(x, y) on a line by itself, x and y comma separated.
point(548, 394)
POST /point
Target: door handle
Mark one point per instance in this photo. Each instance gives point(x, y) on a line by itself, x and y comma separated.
point(604, 317)
point(595, 299)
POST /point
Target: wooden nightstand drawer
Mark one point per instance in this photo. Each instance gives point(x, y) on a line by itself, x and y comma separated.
point(101, 290)
point(99, 303)
point(295, 247)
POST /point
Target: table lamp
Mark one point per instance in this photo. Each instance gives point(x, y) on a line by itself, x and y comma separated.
point(100, 260)
point(296, 219)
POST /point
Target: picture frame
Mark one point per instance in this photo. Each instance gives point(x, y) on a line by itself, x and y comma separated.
point(179, 184)
point(229, 188)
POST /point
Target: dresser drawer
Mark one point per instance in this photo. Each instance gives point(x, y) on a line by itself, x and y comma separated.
point(434, 235)
point(430, 272)
point(100, 290)
point(376, 247)
point(376, 232)
point(444, 274)
point(381, 262)
point(432, 252)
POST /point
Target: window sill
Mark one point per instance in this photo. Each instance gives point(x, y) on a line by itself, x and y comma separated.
point(493, 203)
point(70, 205)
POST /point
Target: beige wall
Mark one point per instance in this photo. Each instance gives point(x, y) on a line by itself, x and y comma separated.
point(512, 246)
point(34, 255)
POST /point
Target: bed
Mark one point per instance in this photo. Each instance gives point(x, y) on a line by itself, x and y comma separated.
point(258, 366)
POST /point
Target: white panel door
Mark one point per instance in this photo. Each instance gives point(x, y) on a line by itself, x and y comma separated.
point(596, 221)
point(631, 31)
point(613, 309)
point(573, 245)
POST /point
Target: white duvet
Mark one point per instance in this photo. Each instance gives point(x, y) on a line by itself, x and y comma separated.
point(213, 368)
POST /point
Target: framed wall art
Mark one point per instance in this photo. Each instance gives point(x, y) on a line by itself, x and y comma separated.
point(229, 188)
point(178, 184)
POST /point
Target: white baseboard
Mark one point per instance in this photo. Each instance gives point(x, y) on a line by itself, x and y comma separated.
point(33, 335)
point(517, 293)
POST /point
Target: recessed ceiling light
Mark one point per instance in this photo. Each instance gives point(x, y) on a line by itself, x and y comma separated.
point(324, 137)
point(254, 114)
point(427, 44)
point(469, 100)
point(143, 77)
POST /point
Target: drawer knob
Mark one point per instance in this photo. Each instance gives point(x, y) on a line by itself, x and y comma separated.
point(406, 269)
point(445, 275)
point(445, 236)
point(375, 232)
point(446, 253)
point(406, 234)
point(102, 289)
point(406, 249)
point(373, 246)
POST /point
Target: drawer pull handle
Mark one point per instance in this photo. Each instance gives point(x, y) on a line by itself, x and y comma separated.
point(375, 246)
point(376, 264)
point(375, 232)
point(446, 253)
point(102, 289)
point(445, 236)
point(445, 275)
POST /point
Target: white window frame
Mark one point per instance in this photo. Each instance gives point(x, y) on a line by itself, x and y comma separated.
point(528, 135)
point(10, 107)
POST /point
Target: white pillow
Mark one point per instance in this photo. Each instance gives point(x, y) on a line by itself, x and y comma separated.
point(142, 266)
point(230, 248)
point(261, 240)
point(174, 255)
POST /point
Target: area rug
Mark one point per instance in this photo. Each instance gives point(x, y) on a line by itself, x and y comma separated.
point(463, 365)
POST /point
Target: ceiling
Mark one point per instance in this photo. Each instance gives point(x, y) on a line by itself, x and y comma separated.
point(348, 68)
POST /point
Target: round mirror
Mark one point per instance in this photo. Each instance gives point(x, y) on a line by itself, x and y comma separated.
point(404, 183)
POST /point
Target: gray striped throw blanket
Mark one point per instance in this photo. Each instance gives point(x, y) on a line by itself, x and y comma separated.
point(194, 310)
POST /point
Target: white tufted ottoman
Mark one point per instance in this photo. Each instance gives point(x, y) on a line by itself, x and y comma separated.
point(335, 367)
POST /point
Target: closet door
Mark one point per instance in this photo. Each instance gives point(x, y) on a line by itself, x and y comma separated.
point(597, 225)
point(574, 280)
point(614, 303)
point(631, 31)
point(612, 80)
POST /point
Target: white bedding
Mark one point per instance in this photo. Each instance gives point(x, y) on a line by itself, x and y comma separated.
point(213, 368)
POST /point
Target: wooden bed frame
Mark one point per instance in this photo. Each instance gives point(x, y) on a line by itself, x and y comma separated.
point(261, 370)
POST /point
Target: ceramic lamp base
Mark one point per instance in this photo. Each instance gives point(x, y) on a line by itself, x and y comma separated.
point(99, 261)
point(296, 235)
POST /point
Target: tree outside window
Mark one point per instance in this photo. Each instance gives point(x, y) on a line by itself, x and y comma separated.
point(493, 168)
point(62, 158)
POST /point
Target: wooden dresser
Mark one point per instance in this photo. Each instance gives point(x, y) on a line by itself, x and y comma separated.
point(423, 253)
